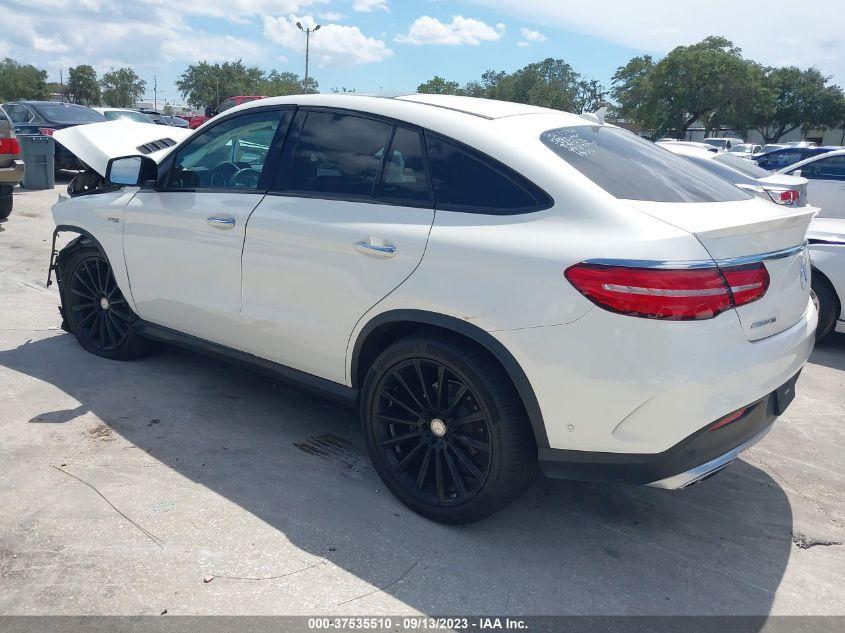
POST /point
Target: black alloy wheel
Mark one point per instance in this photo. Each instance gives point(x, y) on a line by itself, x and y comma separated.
point(433, 432)
point(98, 309)
point(445, 429)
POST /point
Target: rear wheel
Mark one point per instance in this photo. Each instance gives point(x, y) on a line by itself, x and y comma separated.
point(97, 313)
point(827, 304)
point(446, 430)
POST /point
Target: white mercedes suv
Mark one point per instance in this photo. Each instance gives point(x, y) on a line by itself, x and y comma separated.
point(503, 289)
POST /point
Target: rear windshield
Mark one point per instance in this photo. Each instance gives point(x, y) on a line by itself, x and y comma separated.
point(140, 117)
point(632, 168)
point(741, 165)
point(69, 113)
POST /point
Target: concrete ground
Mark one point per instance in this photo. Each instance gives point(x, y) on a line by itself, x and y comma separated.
point(125, 486)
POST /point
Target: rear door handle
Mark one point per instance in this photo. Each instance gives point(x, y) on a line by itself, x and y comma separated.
point(226, 222)
point(375, 247)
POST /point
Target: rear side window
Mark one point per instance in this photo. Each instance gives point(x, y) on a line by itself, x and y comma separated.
point(404, 176)
point(465, 180)
point(338, 155)
point(830, 168)
point(632, 168)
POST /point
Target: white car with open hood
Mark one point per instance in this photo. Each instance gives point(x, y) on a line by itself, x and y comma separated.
point(502, 288)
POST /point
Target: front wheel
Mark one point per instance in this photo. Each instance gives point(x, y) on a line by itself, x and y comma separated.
point(96, 311)
point(446, 430)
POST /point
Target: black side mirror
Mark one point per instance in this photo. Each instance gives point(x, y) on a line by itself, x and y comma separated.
point(131, 171)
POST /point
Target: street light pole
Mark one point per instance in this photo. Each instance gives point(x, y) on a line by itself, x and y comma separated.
point(307, 32)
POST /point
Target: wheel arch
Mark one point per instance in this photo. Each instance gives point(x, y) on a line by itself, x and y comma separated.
point(389, 326)
point(816, 273)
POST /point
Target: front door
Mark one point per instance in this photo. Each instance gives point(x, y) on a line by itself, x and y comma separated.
point(183, 241)
point(348, 224)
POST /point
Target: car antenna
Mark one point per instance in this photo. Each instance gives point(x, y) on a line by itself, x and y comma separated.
point(597, 116)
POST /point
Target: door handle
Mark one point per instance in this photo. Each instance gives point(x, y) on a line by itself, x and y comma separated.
point(221, 222)
point(376, 248)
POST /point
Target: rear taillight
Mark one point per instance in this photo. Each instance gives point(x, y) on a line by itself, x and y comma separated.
point(9, 146)
point(673, 294)
point(787, 197)
point(730, 418)
point(748, 283)
point(46, 131)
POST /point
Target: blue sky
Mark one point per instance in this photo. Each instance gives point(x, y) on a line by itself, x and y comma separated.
point(393, 45)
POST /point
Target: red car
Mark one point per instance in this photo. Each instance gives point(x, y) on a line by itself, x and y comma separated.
point(231, 102)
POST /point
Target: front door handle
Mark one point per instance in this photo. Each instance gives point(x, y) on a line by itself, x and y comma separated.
point(225, 222)
point(375, 247)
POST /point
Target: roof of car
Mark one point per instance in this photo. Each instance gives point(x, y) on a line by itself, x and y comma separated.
point(410, 103)
point(688, 149)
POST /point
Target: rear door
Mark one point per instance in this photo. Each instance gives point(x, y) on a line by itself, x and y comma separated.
point(183, 240)
point(826, 185)
point(348, 222)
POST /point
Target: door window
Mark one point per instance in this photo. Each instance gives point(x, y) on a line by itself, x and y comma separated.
point(230, 155)
point(404, 176)
point(338, 155)
point(830, 168)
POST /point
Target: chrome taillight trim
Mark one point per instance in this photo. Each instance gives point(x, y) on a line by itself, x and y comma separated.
point(699, 263)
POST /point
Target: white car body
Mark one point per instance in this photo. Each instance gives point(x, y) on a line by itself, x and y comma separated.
point(827, 252)
point(302, 281)
point(825, 174)
point(723, 142)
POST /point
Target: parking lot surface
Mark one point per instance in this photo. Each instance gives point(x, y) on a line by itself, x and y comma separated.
point(183, 484)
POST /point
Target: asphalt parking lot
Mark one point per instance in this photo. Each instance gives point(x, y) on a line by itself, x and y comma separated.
point(182, 484)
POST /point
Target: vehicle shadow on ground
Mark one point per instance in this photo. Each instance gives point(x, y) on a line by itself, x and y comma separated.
point(830, 351)
point(294, 461)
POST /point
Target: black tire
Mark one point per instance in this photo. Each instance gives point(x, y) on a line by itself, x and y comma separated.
point(95, 309)
point(446, 430)
point(828, 305)
point(5, 205)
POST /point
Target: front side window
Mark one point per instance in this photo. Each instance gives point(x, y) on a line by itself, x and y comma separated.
point(230, 155)
point(338, 155)
point(632, 168)
point(404, 177)
point(830, 168)
point(465, 180)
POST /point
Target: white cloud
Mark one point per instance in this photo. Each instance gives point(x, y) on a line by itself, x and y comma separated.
point(367, 6)
point(332, 16)
point(461, 30)
point(334, 45)
point(657, 26)
point(531, 36)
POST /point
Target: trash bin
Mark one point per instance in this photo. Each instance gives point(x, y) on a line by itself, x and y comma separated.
point(39, 154)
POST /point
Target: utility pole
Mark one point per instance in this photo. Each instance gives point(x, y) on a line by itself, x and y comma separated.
point(61, 86)
point(155, 93)
point(307, 32)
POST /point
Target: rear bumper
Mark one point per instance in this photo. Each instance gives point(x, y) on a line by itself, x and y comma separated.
point(12, 174)
point(694, 458)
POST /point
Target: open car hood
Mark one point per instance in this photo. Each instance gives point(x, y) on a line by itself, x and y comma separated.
point(97, 143)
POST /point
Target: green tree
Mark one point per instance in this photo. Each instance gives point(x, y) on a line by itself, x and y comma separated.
point(205, 85)
point(796, 99)
point(439, 86)
point(122, 87)
point(590, 96)
point(277, 84)
point(18, 81)
point(82, 85)
point(708, 81)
